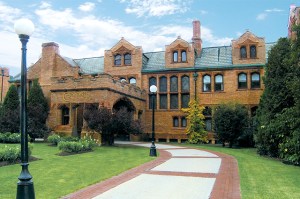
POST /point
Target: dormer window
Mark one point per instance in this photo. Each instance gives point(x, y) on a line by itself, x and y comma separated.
point(243, 52)
point(118, 60)
point(127, 59)
point(252, 52)
point(175, 56)
point(183, 56)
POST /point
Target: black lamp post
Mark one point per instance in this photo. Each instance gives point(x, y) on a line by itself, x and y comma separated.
point(25, 190)
point(153, 90)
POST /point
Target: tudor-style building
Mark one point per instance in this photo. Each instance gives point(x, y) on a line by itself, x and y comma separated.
point(122, 77)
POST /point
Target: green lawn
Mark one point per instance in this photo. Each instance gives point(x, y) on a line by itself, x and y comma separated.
point(262, 177)
point(56, 176)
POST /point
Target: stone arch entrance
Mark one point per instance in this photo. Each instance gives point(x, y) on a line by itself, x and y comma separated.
point(126, 108)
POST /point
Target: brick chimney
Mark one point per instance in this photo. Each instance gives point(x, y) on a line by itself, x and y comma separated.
point(48, 64)
point(196, 39)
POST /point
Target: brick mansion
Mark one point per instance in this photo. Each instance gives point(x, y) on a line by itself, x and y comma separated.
point(122, 77)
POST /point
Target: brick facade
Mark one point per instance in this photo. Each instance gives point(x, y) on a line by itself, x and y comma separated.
point(125, 72)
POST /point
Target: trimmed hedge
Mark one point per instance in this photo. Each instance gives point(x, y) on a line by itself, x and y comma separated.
point(86, 144)
point(12, 153)
point(55, 139)
point(10, 137)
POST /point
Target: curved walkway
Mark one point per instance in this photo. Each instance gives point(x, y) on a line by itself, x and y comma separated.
point(178, 172)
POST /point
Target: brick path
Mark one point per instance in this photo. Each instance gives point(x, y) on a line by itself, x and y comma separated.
point(226, 186)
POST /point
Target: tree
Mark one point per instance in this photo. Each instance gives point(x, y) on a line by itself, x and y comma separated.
point(275, 98)
point(230, 122)
point(196, 126)
point(100, 120)
point(10, 111)
point(38, 108)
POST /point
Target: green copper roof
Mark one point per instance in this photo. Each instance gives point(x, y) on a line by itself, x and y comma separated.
point(154, 60)
point(214, 57)
point(93, 65)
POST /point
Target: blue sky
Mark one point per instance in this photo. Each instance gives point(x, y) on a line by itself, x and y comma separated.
point(87, 28)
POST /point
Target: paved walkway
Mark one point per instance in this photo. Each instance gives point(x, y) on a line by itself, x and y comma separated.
point(177, 173)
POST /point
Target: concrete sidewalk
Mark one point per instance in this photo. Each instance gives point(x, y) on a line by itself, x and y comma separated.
point(177, 173)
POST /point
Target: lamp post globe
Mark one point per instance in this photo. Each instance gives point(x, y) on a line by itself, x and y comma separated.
point(25, 190)
point(153, 90)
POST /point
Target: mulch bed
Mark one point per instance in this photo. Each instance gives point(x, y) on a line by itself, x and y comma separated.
point(6, 163)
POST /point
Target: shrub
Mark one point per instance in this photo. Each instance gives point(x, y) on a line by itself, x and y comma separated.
point(86, 144)
point(10, 137)
point(54, 139)
point(13, 153)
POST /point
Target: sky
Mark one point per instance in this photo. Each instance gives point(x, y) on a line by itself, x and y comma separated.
point(86, 28)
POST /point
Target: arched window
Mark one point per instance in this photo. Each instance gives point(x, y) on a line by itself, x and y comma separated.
point(163, 84)
point(175, 122)
point(252, 52)
point(163, 104)
point(242, 81)
point(183, 56)
point(175, 56)
point(206, 83)
point(174, 92)
point(65, 113)
point(122, 79)
point(117, 60)
point(185, 84)
point(132, 80)
point(183, 122)
point(255, 80)
point(243, 52)
point(185, 91)
point(152, 81)
point(127, 59)
point(219, 86)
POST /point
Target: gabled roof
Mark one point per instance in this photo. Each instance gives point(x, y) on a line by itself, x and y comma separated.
point(214, 57)
point(93, 65)
point(154, 60)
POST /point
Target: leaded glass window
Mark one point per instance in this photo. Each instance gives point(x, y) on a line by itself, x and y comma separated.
point(219, 83)
point(163, 103)
point(183, 56)
point(65, 112)
point(127, 59)
point(163, 84)
point(183, 122)
point(174, 84)
point(185, 99)
point(255, 80)
point(185, 84)
point(253, 52)
point(175, 56)
point(242, 81)
point(208, 124)
point(243, 52)
point(207, 111)
point(174, 101)
point(175, 122)
point(118, 60)
point(206, 83)
point(152, 81)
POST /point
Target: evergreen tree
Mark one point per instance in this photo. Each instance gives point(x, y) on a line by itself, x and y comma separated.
point(275, 98)
point(38, 108)
point(230, 122)
point(196, 126)
point(10, 111)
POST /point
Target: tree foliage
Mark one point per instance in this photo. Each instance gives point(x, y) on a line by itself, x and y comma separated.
point(109, 124)
point(38, 108)
point(196, 126)
point(230, 122)
point(10, 111)
point(278, 121)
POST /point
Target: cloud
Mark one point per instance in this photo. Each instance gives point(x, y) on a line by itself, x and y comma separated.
point(265, 14)
point(86, 7)
point(7, 16)
point(261, 16)
point(156, 7)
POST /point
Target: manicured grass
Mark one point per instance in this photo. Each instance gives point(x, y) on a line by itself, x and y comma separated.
point(55, 176)
point(262, 177)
